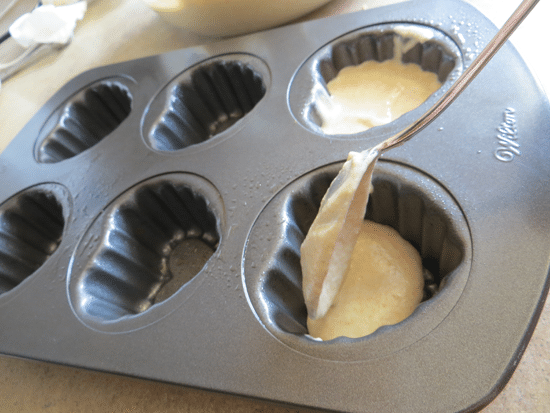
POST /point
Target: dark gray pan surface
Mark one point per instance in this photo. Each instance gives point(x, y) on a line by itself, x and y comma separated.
point(151, 215)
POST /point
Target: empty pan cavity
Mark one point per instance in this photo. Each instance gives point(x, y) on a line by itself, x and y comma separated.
point(31, 229)
point(403, 198)
point(425, 46)
point(151, 241)
point(204, 101)
point(84, 120)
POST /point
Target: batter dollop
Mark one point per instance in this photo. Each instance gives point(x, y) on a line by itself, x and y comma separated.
point(382, 286)
point(373, 94)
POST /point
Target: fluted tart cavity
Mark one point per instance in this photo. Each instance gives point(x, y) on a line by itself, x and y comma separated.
point(84, 120)
point(31, 229)
point(397, 201)
point(203, 102)
point(154, 239)
point(432, 50)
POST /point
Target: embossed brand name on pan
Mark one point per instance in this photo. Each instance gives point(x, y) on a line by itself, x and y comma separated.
point(507, 137)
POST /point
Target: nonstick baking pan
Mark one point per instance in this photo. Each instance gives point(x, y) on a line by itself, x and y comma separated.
point(151, 216)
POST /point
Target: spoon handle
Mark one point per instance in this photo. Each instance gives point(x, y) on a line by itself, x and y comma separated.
point(464, 80)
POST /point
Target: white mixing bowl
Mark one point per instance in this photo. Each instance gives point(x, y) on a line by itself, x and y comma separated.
point(231, 17)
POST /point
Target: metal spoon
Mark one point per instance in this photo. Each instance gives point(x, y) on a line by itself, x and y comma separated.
point(327, 248)
point(464, 80)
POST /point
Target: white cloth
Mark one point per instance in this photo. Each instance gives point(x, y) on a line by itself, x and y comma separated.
point(48, 24)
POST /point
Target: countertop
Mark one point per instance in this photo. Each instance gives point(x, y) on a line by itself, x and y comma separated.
point(118, 30)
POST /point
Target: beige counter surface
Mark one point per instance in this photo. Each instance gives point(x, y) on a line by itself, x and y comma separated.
point(118, 30)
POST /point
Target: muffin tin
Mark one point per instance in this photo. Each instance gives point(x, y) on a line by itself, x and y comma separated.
point(152, 212)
